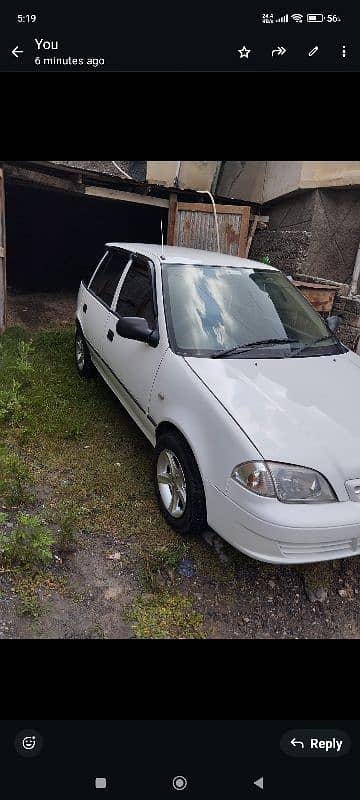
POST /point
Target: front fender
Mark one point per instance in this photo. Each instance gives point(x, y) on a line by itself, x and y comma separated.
point(218, 443)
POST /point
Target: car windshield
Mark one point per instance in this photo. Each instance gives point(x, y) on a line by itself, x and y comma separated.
point(212, 309)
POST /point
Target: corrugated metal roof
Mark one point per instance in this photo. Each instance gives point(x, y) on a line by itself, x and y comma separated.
point(136, 169)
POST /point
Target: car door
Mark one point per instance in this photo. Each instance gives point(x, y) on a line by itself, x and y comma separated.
point(134, 364)
point(95, 300)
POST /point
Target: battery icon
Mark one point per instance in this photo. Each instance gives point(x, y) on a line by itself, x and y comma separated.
point(315, 18)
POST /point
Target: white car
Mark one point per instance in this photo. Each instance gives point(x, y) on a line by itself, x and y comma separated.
point(251, 402)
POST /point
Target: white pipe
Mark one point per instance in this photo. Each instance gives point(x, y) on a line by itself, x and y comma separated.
point(121, 170)
point(215, 215)
point(354, 289)
point(176, 179)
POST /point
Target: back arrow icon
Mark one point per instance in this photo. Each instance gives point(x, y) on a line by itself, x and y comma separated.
point(279, 51)
point(16, 51)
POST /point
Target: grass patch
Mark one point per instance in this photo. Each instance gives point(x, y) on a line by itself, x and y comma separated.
point(29, 606)
point(14, 477)
point(67, 516)
point(28, 544)
point(159, 568)
point(165, 616)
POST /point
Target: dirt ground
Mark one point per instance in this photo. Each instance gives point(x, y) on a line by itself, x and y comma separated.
point(41, 310)
point(129, 576)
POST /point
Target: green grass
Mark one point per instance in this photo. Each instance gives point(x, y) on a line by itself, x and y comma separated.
point(28, 544)
point(69, 448)
point(29, 606)
point(165, 616)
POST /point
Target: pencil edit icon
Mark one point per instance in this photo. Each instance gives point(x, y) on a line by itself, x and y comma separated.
point(313, 51)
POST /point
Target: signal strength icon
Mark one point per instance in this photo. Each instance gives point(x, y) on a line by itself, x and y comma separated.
point(283, 19)
point(297, 17)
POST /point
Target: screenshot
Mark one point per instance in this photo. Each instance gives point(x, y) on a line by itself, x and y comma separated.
point(179, 400)
point(172, 759)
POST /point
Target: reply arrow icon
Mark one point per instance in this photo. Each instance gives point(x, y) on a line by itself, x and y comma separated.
point(16, 52)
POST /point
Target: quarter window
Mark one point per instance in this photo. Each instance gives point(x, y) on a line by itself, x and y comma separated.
point(136, 295)
point(108, 275)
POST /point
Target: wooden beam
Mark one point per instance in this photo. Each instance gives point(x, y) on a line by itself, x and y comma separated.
point(128, 197)
point(208, 208)
point(41, 179)
point(172, 218)
point(251, 235)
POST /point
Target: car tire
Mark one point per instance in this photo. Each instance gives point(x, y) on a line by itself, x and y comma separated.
point(189, 517)
point(83, 361)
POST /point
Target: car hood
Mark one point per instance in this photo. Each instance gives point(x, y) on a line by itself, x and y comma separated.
point(302, 411)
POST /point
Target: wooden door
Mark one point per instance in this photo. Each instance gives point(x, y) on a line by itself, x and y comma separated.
point(193, 225)
point(2, 255)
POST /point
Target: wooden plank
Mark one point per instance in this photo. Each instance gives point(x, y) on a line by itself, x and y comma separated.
point(172, 218)
point(251, 236)
point(128, 197)
point(2, 252)
point(40, 178)
point(208, 208)
point(76, 186)
point(244, 231)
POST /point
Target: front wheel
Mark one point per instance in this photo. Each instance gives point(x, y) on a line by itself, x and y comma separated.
point(83, 361)
point(178, 485)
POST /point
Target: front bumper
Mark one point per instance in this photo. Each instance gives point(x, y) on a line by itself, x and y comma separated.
point(285, 534)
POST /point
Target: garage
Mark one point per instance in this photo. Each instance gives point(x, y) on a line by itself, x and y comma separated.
point(55, 229)
point(54, 239)
point(55, 220)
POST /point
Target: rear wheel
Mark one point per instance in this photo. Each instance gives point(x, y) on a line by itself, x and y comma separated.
point(84, 364)
point(178, 485)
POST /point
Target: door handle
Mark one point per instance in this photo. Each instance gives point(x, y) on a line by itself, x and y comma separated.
point(84, 308)
point(110, 335)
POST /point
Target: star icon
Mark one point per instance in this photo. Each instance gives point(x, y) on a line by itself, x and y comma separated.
point(244, 52)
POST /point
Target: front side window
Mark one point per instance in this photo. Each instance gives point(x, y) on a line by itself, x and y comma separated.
point(212, 309)
point(136, 296)
point(107, 277)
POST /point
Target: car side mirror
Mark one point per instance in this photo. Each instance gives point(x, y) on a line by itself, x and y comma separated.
point(333, 323)
point(138, 329)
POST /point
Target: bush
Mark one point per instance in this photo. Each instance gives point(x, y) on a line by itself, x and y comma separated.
point(28, 544)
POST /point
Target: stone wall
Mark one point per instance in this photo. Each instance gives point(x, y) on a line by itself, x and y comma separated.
point(317, 232)
point(349, 331)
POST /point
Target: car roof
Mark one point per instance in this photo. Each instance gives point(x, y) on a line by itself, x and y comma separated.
point(186, 255)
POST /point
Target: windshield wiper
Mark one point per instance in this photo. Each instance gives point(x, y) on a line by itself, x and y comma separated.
point(250, 346)
point(309, 346)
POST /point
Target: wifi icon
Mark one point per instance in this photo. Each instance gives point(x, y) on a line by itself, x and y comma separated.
point(297, 17)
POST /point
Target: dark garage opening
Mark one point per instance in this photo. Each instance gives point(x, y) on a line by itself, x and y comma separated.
point(55, 239)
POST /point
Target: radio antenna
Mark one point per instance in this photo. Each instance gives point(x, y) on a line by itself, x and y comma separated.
point(162, 240)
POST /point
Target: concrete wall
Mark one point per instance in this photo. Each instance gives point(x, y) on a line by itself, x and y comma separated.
point(262, 181)
point(329, 173)
point(193, 174)
point(243, 180)
point(259, 181)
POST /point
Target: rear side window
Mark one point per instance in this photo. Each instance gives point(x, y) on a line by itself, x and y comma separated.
point(108, 275)
point(136, 296)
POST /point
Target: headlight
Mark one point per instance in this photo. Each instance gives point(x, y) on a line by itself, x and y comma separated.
point(288, 483)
